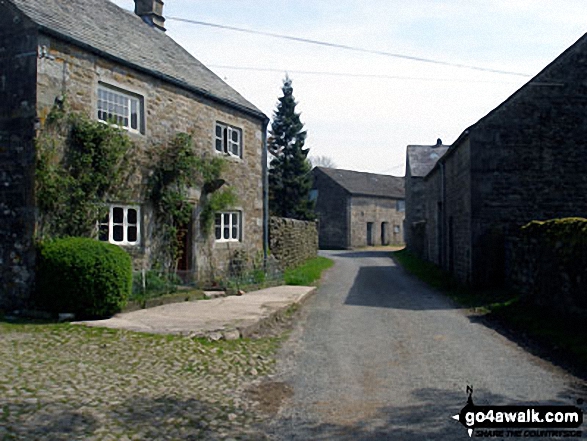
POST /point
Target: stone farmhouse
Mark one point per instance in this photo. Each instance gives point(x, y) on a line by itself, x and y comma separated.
point(357, 209)
point(524, 161)
point(113, 64)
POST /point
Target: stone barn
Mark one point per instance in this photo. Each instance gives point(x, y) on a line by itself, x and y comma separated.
point(357, 209)
point(420, 160)
point(525, 160)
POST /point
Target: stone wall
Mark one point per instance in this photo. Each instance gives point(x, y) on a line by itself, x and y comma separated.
point(18, 56)
point(547, 264)
point(415, 225)
point(433, 200)
point(291, 241)
point(386, 222)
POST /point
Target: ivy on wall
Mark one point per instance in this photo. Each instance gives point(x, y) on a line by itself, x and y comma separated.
point(80, 164)
point(180, 169)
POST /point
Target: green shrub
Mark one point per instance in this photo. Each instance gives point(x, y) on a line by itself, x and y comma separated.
point(84, 276)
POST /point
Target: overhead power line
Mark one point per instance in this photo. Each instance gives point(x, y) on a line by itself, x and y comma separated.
point(347, 47)
point(353, 75)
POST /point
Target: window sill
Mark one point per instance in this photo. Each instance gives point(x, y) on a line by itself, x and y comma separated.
point(123, 244)
point(229, 157)
point(226, 244)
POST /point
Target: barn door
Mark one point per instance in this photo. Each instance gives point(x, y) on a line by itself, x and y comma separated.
point(370, 233)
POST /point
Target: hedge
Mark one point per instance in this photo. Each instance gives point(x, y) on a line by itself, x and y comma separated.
point(549, 264)
point(83, 276)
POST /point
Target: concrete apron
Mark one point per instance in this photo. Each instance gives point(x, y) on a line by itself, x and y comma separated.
point(222, 318)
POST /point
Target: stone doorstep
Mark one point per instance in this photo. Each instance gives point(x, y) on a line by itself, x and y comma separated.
point(214, 294)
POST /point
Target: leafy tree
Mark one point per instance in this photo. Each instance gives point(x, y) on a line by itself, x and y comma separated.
point(322, 161)
point(290, 180)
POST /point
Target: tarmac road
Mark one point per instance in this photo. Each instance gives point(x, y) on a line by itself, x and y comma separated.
point(379, 355)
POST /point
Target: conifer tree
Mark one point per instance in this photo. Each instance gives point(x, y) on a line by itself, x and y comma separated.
point(290, 180)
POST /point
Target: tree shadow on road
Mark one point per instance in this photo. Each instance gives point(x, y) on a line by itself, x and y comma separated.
point(358, 254)
point(430, 418)
point(389, 287)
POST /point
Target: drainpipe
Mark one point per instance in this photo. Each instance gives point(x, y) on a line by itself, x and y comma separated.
point(265, 196)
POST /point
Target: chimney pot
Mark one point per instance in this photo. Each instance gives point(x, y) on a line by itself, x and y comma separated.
point(151, 11)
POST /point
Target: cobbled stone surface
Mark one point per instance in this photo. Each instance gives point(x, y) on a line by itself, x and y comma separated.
point(64, 382)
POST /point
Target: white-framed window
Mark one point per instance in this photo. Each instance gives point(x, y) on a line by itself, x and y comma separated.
point(120, 108)
point(229, 140)
point(400, 205)
point(228, 226)
point(121, 226)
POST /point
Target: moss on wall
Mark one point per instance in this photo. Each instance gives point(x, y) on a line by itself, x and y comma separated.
point(548, 264)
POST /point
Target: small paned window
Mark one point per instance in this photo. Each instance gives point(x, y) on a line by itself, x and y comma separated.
point(121, 225)
point(227, 226)
point(119, 108)
point(400, 205)
point(228, 140)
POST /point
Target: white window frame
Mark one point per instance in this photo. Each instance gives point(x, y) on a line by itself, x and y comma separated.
point(220, 226)
point(224, 141)
point(115, 106)
point(126, 225)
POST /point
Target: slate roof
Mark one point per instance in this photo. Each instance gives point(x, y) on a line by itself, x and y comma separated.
point(367, 184)
point(423, 158)
point(113, 32)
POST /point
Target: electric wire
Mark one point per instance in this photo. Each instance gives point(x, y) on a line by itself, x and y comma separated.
point(352, 75)
point(348, 47)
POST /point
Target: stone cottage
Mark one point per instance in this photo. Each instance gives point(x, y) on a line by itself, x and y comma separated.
point(526, 160)
point(113, 65)
point(357, 209)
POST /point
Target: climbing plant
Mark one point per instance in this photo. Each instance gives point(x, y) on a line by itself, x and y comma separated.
point(80, 163)
point(179, 169)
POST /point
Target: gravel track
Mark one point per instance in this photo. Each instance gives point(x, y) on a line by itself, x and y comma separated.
point(379, 355)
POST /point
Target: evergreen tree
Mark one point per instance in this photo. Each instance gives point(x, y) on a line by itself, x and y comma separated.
point(290, 180)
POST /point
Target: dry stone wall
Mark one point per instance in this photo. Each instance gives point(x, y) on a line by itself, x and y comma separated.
point(292, 241)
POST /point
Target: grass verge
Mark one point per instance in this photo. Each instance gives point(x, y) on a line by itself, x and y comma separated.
point(308, 273)
point(564, 337)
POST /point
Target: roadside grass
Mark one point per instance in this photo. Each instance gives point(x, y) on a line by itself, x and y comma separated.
point(566, 336)
point(308, 273)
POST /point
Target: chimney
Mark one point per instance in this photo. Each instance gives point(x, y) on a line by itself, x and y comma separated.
point(151, 11)
point(438, 142)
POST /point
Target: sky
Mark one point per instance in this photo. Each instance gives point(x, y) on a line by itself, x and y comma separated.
point(362, 109)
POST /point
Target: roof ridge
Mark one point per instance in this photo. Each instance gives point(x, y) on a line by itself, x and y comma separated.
point(152, 51)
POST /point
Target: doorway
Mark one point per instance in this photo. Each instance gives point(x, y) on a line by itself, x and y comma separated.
point(384, 233)
point(370, 234)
